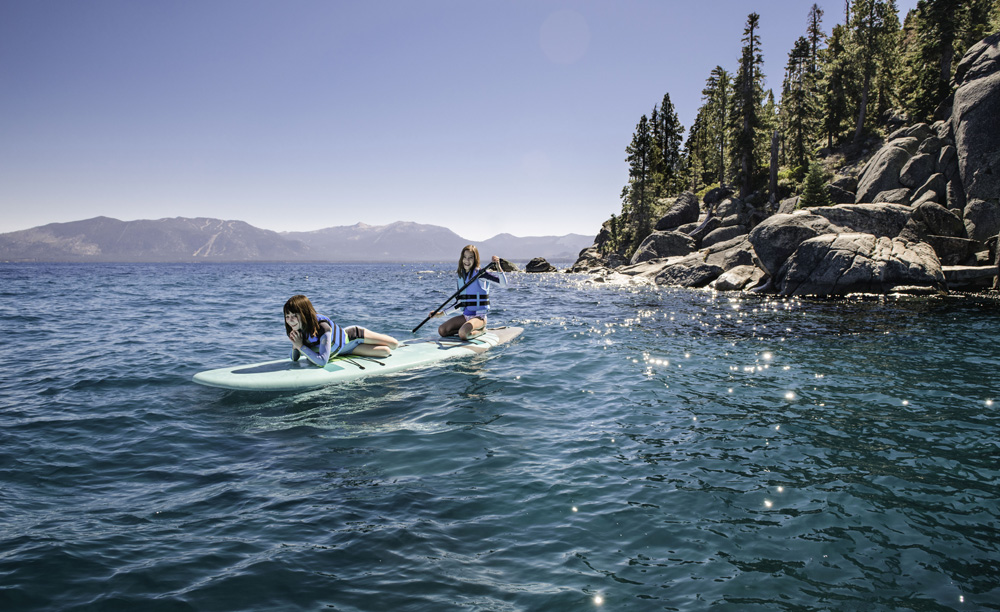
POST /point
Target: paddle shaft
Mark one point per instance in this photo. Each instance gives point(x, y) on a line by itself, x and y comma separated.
point(453, 296)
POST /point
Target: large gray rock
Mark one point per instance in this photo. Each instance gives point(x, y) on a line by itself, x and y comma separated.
point(845, 182)
point(739, 278)
point(982, 219)
point(688, 274)
point(730, 254)
point(838, 264)
point(932, 146)
point(881, 173)
point(709, 225)
point(917, 170)
point(729, 207)
point(996, 279)
point(942, 129)
point(937, 220)
point(935, 183)
point(539, 264)
point(952, 251)
point(947, 162)
point(680, 210)
point(724, 234)
point(687, 228)
point(788, 205)
point(884, 239)
point(696, 269)
point(777, 237)
point(927, 196)
point(590, 260)
point(663, 244)
point(716, 195)
point(920, 131)
point(877, 219)
point(837, 196)
point(975, 120)
point(893, 196)
point(970, 278)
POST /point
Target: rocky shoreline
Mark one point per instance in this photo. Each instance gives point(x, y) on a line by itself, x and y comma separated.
point(922, 216)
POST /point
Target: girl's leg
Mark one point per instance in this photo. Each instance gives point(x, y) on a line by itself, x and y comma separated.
point(371, 350)
point(380, 339)
point(373, 344)
point(451, 326)
point(472, 328)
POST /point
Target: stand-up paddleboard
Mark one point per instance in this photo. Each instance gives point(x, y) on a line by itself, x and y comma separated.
point(288, 375)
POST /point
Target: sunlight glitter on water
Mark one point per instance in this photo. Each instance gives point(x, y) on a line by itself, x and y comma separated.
point(451, 486)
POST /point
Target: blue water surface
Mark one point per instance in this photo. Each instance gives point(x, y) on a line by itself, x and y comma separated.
point(637, 448)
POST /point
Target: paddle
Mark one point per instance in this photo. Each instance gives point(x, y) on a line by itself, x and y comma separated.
point(454, 295)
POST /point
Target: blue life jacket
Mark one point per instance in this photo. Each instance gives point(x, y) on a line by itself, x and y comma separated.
point(337, 342)
point(475, 299)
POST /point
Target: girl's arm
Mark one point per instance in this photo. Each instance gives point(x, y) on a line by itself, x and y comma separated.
point(493, 278)
point(320, 357)
point(501, 280)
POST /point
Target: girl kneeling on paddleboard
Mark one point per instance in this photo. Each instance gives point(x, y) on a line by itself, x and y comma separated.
point(320, 339)
point(475, 299)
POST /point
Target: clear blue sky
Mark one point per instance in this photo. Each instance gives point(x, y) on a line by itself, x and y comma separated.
point(483, 117)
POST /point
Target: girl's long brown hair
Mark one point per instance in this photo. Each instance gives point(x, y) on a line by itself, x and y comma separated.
point(475, 255)
point(300, 305)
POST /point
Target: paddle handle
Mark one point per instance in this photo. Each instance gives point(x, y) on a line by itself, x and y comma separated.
point(453, 296)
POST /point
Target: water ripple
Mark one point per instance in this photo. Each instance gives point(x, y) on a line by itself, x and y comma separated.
point(637, 448)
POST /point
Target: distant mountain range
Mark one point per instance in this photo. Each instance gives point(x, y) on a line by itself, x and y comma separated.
point(180, 239)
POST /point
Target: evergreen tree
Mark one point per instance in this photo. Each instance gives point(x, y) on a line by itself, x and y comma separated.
point(667, 133)
point(770, 122)
point(748, 87)
point(836, 87)
point(655, 157)
point(638, 195)
point(940, 32)
point(614, 242)
point(815, 193)
point(813, 80)
point(815, 36)
point(698, 154)
point(872, 27)
point(717, 111)
point(888, 68)
point(796, 109)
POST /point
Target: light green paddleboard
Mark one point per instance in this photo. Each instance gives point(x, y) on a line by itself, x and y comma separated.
point(288, 375)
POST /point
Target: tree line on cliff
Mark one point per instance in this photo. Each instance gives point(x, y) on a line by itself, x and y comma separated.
point(870, 73)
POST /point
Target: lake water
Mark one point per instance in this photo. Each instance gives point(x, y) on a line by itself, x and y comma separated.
point(637, 448)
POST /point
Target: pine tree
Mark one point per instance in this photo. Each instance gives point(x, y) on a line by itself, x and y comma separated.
point(748, 87)
point(836, 86)
point(815, 36)
point(795, 104)
point(667, 133)
point(889, 65)
point(872, 29)
point(770, 122)
point(638, 195)
point(696, 155)
point(813, 81)
point(718, 99)
point(940, 32)
point(815, 193)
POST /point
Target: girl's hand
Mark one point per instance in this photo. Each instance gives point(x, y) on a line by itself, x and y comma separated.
point(436, 313)
point(296, 337)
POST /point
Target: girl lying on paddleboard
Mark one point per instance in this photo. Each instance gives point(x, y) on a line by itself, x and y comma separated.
point(320, 339)
point(475, 300)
